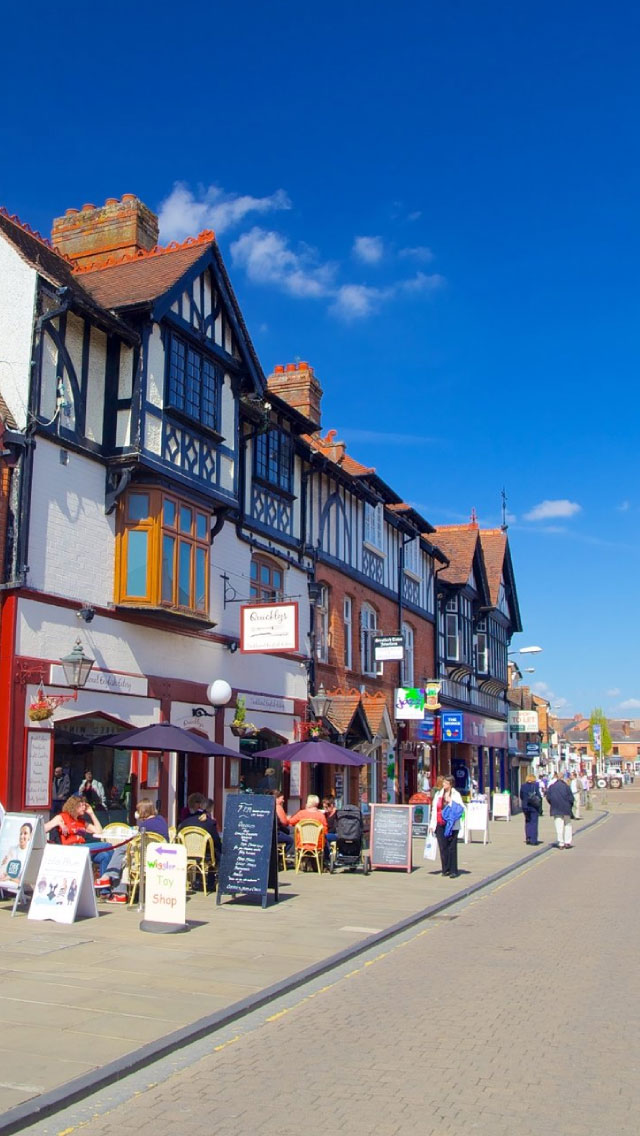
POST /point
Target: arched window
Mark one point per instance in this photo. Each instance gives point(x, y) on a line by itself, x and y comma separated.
point(266, 580)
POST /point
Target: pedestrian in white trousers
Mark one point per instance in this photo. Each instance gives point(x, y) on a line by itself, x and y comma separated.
point(576, 789)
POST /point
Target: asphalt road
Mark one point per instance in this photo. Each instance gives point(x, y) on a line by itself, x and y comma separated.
point(516, 1012)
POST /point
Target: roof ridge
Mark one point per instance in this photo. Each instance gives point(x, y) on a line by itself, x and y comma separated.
point(203, 238)
point(13, 217)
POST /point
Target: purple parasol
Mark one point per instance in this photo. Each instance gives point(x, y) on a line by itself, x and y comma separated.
point(316, 750)
point(165, 736)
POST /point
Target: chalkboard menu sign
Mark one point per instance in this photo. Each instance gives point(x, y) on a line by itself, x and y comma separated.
point(390, 837)
point(248, 865)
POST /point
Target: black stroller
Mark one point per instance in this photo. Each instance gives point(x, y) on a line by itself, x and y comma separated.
point(347, 850)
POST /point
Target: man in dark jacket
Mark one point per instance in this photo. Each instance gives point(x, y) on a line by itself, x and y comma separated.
point(560, 799)
point(60, 790)
point(200, 817)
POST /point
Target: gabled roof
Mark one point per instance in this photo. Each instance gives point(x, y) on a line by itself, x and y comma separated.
point(39, 254)
point(459, 544)
point(141, 277)
point(144, 278)
point(497, 558)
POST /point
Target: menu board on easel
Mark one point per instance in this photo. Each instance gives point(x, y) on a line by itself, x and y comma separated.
point(391, 837)
point(38, 760)
point(248, 865)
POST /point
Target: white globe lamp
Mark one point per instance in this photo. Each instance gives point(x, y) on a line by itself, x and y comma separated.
point(219, 692)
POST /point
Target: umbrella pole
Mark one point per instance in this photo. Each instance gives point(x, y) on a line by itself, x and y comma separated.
point(143, 859)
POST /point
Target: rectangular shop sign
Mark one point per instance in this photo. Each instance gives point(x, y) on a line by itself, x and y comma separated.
point(64, 887)
point(165, 893)
point(268, 628)
point(38, 772)
point(388, 648)
point(426, 730)
point(451, 726)
point(409, 703)
point(523, 721)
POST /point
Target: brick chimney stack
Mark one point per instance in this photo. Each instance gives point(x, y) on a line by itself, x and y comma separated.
point(93, 235)
point(297, 385)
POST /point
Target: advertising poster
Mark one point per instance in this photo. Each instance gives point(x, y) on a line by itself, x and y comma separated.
point(64, 885)
point(16, 840)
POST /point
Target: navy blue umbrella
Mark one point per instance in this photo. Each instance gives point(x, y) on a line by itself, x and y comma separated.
point(164, 736)
point(316, 750)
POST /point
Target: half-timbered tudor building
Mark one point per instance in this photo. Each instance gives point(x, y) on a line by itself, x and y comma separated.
point(158, 490)
point(375, 569)
point(477, 615)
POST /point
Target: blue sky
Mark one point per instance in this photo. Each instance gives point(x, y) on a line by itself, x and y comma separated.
point(437, 207)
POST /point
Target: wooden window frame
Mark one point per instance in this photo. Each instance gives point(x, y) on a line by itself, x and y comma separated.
point(157, 528)
point(273, 459)
point(196, 400)
point(261, 592)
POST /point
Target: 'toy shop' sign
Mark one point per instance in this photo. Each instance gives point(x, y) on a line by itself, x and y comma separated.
point(165, 883)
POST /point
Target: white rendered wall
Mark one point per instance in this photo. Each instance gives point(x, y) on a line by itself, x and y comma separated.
point(71, 541)
point(17, 301)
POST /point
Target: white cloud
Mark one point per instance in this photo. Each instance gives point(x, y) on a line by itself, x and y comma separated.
point(630, 704)
point(623, 507)
point(267, 259)
point(370, 250)
point(184, 214)
point(613, 693)
point(419, 252)
point(422, 282)
point(548, 509)
point(356, 301)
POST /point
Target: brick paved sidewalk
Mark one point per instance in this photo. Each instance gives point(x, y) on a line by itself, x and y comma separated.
point(516, 1017)
point(101, 988)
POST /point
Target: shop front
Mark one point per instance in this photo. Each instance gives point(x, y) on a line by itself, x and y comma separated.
point(476, 744)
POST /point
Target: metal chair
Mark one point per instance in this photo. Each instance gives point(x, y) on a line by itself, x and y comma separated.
point(308, 838)
point(201, 855)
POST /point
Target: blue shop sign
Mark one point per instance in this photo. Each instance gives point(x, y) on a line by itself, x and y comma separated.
point(426, 729)
point(451, 726)
point(533, 749)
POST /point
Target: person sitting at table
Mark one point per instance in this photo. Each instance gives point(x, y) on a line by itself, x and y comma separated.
point(285, 835)
point(199, 817)
point(148, 820)
point(330, 811)
point(78, 824)
point(312, 811)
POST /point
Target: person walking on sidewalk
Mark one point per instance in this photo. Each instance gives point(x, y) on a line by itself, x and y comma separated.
point(576, 788)
point(560, 800)
point(531, 800)
point(445, 827)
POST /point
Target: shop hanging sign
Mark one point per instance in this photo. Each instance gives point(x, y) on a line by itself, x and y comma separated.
point(426, 730)
point(432, 694)
point(451, 726)
point(409, 703)
point(388, 648)
point(266, 628)
point(523, 722)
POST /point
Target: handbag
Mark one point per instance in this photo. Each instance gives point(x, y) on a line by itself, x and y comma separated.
point(430, 847)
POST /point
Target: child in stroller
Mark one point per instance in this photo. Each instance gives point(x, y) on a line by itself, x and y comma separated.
point(347, 850)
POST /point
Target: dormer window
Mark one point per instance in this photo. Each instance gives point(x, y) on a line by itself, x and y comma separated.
point(274, 459)
point(193, 384)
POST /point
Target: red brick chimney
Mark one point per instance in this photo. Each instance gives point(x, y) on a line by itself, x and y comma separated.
point(93, 235)
point(297, 385)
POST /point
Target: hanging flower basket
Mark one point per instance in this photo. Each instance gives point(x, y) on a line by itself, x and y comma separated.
point(41, 708)
point(243, 729)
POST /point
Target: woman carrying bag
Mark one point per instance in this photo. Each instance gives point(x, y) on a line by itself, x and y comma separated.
point(446, 811)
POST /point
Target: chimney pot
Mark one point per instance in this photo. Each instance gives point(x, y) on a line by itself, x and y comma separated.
point(111, 201)
point(70, 212)
point(128, 197)
point(278, 369)
point(291, 367)
point(87, 207)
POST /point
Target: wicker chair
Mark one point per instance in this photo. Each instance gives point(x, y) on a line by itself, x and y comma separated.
point(201, 855)
point(132, 866)
point(309, 843)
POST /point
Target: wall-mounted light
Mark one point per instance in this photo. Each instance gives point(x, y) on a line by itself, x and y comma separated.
point(86, 613)
point(76, 666)
point(232, 647)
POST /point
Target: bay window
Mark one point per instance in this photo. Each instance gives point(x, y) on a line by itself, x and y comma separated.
point(162, 552)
